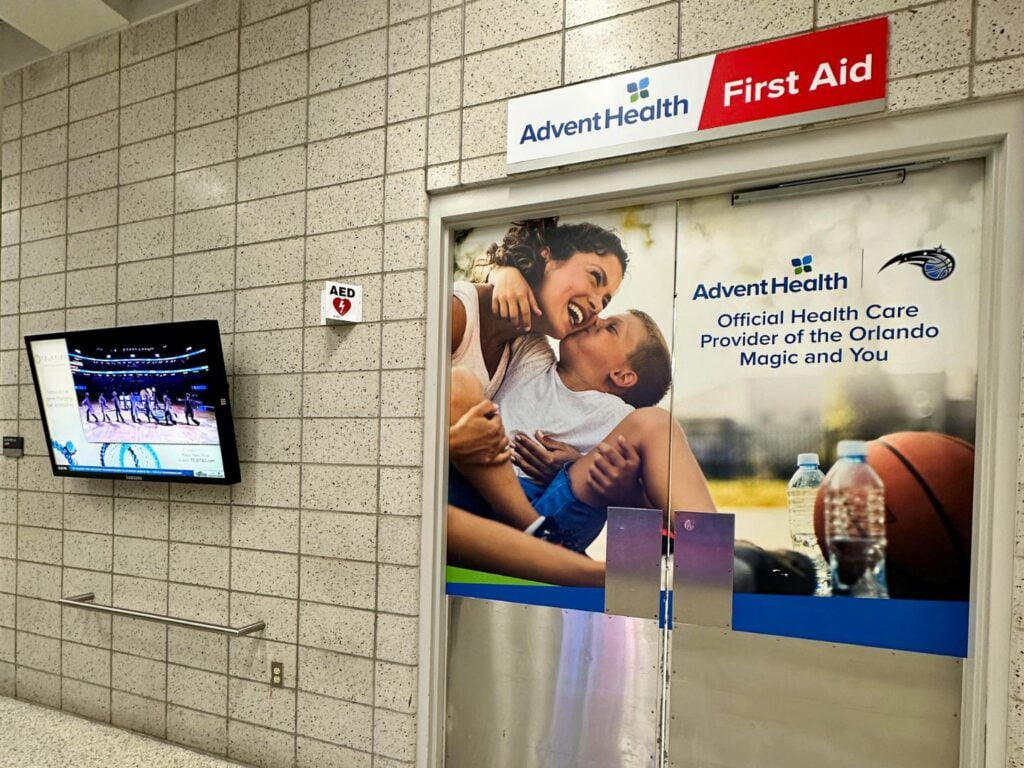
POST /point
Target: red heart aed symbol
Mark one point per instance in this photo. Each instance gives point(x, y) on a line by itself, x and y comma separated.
point(342, 306)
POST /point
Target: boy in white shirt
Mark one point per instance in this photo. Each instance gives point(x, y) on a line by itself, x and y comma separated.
point(533, 396)
point(604, 373)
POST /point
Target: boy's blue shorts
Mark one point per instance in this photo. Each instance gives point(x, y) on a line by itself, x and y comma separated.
point(580, 523)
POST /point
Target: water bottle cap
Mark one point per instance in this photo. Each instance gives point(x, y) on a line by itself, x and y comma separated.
point(849, 448)
point(807, 458)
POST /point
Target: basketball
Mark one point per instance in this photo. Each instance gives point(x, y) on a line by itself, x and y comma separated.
point(929, 491)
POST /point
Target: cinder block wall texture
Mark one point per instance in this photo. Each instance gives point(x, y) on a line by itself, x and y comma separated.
point(222, 162)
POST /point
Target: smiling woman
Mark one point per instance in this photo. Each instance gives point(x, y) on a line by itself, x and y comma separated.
point(573, 268)
point(577, 431)
point(554, 280)
point(573, 271)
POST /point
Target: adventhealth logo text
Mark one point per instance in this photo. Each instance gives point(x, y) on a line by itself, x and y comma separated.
point(611, 117)
point(786, 284)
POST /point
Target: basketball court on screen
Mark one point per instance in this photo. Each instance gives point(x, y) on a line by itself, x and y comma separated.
point(144, 394)
point(205, 433)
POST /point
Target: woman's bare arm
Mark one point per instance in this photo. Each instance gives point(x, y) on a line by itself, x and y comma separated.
point(486, 545)
point(458, 323)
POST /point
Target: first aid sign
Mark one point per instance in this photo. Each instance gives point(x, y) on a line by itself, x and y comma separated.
point(341, 303)
point(822, 75)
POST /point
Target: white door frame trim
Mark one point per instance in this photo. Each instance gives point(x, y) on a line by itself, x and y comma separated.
point(993, 130)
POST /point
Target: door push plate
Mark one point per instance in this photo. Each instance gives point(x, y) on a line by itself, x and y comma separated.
point(702, 577)
point(632, 584)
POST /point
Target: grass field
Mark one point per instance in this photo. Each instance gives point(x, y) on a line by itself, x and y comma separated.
point(748, 492)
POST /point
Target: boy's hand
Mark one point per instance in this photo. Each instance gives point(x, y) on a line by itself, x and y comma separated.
point(512, 298)
point(479, 436)
point(541, 459)
point(615, 473)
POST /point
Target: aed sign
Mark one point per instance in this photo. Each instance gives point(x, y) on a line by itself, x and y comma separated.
point(823, 75)
point(341, 303)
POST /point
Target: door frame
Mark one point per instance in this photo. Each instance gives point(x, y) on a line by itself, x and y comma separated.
point(992, 130)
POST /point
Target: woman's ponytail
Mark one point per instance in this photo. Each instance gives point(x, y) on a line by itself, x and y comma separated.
point(526, 241)
point(521, 248)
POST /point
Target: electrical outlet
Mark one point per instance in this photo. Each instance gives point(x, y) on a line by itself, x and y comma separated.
point(276, 674)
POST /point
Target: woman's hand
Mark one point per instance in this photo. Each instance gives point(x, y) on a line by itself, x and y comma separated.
point(541, 459)
point(479, 437)
point(512, 298)
point(615, 473)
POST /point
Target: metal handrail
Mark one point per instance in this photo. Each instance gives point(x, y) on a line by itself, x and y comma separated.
point(85, 601)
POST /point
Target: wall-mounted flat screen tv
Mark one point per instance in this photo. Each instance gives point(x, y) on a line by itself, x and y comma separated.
point(144, 402)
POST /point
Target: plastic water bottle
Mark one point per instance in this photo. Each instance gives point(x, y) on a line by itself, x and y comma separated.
point(802, 491)
point(855, 524)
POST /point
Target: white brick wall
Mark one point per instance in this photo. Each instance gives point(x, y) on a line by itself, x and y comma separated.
point(221, 162)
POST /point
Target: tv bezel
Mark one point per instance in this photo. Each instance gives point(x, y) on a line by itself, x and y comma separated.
point(219, 396)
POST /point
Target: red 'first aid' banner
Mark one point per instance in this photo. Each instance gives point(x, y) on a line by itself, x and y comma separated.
point(819, 70)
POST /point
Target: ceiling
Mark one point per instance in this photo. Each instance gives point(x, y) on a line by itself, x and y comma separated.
point(33, 29)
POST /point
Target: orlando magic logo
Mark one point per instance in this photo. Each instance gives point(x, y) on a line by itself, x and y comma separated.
point(936, 263)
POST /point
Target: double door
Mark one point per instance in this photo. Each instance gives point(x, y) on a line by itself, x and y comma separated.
point(793, 322)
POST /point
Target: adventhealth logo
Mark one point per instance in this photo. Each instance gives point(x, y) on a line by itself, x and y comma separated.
point(638, 90)
point(786, 284)
point(610, 117)
point(802, 264)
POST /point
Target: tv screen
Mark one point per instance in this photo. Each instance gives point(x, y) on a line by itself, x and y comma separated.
point(144, 402)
